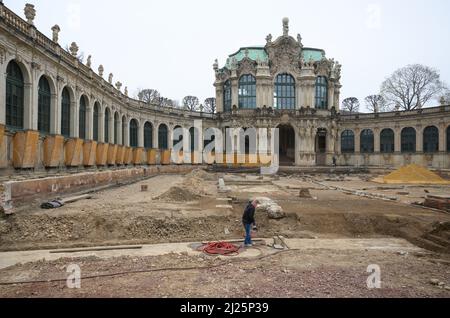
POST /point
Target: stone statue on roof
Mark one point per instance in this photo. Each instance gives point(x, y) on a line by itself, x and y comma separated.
point(286, 26)
point(269, 39)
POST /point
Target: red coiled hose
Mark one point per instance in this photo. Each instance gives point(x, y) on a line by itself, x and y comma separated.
point(220, 248)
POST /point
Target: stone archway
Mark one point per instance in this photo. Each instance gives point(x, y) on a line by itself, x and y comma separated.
point(321, 147)
point(287, 145)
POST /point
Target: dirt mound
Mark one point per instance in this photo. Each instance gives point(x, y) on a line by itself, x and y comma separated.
point(178, 194)
point(412, 174)
point(201, 174)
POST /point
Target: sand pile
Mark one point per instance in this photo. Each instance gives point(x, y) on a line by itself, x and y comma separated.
point(412, 174)
point(178, 194)
point(202, 174)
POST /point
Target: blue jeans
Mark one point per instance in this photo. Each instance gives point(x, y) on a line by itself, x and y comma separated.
point(248, 235)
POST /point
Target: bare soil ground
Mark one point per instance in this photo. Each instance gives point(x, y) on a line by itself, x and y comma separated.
point(189, 208)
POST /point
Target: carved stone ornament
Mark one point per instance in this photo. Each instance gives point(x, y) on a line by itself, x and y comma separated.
point(324, 67)
point(118, 85)
point(30, 13)
point(89, 61)
point(100, 70)
point(246, 66)
point(110, 78)
point(73, 49)
point(284, 55)
point(223, 74)
point(55, 33)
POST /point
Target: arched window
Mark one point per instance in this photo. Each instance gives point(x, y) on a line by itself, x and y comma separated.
point(431, 139)
point(65, 113)
point(124, 127)
point(284, 92)
point(133, 133)
point(116, 128)
point(247, 92)
point(96, 118)
point(193, 132)
point(162, 137)
point(227, 96)
point(14, 96)
point(44, 98)
point(106, 128)
point(148, 135)
point(82, 119)
point(348, 142)
point(408, 139)
point(387, 141)
point(367, 141)
point(321, 92)
point(180, 139)
point(448, 139)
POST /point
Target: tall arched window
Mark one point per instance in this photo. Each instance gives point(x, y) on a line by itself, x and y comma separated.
point(162, 137)
point(106, 128)
point(148, 135)
point(44, 98)
point(174, 139)
point(247, 92)
point(96, 118)
point(408, 139)
point(284, 92)
point(431, 139)
point(321, 92)
point(348, 142)
point(227, 96)
point(133, 133)
point(387, 141)
point(14, 96)
point(367, 141)
point(124, 127)
point(82, 119)
point(116, 128)
point(65, 113)
point(448, 139)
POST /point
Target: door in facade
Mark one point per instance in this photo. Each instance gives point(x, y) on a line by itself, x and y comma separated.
point(321, 147)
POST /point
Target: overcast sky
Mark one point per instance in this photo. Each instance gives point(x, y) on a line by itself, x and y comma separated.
point(171, 45)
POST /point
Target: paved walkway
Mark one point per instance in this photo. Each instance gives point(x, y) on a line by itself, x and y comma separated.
point(8, 259)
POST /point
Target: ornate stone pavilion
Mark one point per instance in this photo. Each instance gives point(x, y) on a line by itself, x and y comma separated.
point(57, 112)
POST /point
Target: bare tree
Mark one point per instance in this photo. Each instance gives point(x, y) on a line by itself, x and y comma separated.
point(375, 103)
point(445, 98)
point(412, 87)
point(191, 103)
point(149, 96)
point(166, 102)
point(210, 105)
point(351, 105)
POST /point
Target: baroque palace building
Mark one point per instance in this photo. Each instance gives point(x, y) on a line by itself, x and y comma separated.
point(56, 112)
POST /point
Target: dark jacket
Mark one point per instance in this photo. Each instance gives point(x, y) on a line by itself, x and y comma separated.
point(249, 214)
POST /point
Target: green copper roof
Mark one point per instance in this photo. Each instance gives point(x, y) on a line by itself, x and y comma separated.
point(313, 54)
point(259, 52)
point(254, 53)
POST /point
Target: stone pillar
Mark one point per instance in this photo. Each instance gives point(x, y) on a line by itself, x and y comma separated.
point(377, 143)
point(2, 89)
point(119, 131)
point(397, 140)
point(234, 90)
point(442, 136)
point(30, 116)
point(219, 97)
point(54, 114)
point(34, 102)
point(298, 94)
point(90, 122)
point(155, 135)
point(330, 95)
point(111, 129)
point(337, 92)
point(101, 125)
point(419, 139)
point(141, 134)
point(357, 141)
point(74, 114)
point(127, 133)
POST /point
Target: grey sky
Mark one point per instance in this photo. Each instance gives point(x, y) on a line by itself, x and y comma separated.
point(171, 45)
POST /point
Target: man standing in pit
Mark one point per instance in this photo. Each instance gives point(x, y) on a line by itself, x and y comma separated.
point(248, 219)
